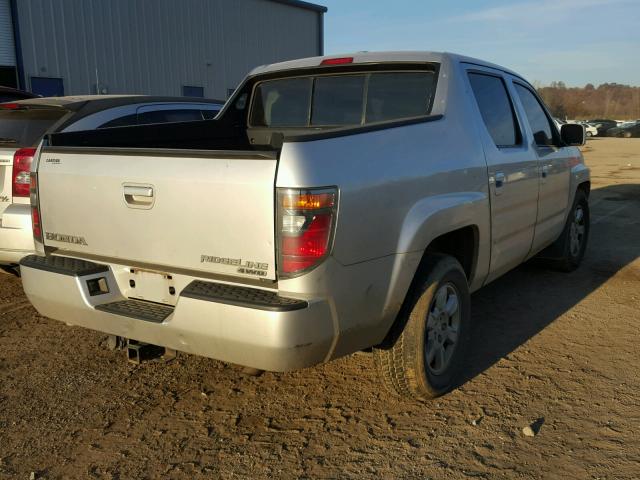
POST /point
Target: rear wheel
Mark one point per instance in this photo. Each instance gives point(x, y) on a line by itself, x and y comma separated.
point(423, 356)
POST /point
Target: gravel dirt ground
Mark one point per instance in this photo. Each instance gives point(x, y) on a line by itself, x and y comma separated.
point(558, 350)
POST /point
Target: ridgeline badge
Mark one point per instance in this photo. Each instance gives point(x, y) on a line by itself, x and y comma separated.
point(247, 267)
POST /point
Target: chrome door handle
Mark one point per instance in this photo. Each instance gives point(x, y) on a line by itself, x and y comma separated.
point(545, 171)
point(500, 179)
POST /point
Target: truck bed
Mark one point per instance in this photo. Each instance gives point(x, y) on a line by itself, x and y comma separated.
point(198, 135)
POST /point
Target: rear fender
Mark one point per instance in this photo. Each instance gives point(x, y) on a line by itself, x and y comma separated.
point(437, 215)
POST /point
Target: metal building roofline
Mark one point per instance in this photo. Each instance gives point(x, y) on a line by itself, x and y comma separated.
point(305, 5)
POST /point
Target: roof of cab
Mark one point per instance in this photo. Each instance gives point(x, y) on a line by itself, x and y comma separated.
point(379, 57)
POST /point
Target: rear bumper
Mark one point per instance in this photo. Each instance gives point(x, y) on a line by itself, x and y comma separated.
point(260, 336)
point(16, 238)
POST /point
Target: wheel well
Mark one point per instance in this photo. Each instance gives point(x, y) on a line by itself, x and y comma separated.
point(462, 244)
point(585, 187)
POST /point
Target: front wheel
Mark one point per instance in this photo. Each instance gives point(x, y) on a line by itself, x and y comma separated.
point(573, 241)
point(424, 353)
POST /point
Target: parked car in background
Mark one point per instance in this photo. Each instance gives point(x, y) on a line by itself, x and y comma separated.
point(8, 94)
point(603, 124)
point(590, 130)
point(626, 130)
point(334, 205)
point(23, 124)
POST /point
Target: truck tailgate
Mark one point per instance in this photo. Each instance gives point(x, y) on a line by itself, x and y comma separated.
point(206, 211)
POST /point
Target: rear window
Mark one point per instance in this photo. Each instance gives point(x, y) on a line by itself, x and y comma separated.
point(342, 100)
point(282, 103)
point(25, 127)
point(392, 95)
point(337, 101)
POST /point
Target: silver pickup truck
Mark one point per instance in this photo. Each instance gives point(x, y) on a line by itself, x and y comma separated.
point(334, 205)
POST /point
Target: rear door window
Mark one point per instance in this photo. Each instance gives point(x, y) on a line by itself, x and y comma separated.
point(342, 100)
point(496, 109)
point(24, 127)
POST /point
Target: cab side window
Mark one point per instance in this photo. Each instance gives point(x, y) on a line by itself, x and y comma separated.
point(496, 109)
point(538, 120)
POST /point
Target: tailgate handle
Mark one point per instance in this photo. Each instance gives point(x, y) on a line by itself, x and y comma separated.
point(138, 196)
point(137, 191)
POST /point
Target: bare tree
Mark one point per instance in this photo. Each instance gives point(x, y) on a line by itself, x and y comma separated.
point(609, 100)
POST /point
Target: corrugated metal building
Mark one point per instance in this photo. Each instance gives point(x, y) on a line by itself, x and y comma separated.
point(156, 47)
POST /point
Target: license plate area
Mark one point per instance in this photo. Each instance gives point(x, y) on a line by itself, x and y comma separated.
point(152, 286)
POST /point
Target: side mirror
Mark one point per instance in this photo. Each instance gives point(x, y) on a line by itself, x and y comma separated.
point(573, 134)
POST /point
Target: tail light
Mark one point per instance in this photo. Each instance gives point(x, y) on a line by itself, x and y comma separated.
point(306, 221)
point(36, 221)
point(21, 171)
point(35, 224)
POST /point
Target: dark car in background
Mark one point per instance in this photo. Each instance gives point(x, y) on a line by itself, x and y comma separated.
point(8, 94)
point(23, 123)
point(626, 130)
point(602, 125)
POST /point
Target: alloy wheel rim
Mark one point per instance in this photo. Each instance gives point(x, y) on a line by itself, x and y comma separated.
point(576, 232)
point(443, 329)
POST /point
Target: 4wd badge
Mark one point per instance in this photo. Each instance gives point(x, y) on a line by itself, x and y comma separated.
point(247, 267)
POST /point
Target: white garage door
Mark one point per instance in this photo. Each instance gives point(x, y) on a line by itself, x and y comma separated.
point(7, 49)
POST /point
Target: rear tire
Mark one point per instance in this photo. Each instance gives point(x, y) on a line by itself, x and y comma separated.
point(424, 352)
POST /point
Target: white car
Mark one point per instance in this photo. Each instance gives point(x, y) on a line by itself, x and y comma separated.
point(591, 130)
point(23, 124)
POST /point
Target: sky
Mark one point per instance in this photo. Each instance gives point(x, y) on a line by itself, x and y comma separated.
point(574, 41)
